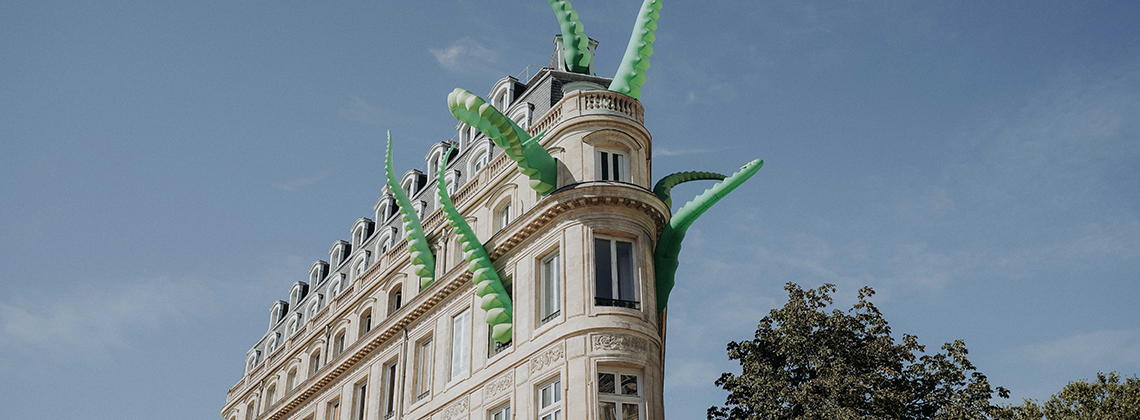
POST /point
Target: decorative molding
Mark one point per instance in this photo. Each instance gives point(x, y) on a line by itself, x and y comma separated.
point(499, 385)
point(456, 410)
point(540, 361)
point(618, 342)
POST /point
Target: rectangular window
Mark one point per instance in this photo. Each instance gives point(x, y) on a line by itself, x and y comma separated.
point(423, 368)
point(615, 282)
point(550, 400)
point(360, 400)
point(611, 166)
point(502, 412)
point(550, 289)
point(333, 412)
point(460, 345)
point(619, 395)
point(390, 390)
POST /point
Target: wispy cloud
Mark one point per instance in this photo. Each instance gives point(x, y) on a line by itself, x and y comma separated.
point(92, 321)
point(299, 184)
point(360, 111)
point(1094, 348)
point(466, 56)
point(661, 151)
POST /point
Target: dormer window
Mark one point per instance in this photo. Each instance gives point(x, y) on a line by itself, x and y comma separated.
point(297, 293)
point(272, 345)
point(277, 313)
point(386, 241)
point(317, 273)
point(339, 253)
point(336, 287)
point(293, 325)
point(362, 264)
point(386, 208)
point(419, 206)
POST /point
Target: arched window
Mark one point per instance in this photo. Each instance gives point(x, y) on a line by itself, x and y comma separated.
point(503, 214)
point(317, 272)
point(362, 264)
point(336, 287)
point(272, 344)
point(395, 300)
point(385, 242)
point(365, 322)
point(270, 396)
point(293, 324)
point(315, 307)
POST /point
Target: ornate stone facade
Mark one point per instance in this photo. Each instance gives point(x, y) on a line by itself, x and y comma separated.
point(350, 339)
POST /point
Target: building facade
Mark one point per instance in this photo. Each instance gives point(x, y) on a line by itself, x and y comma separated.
point(361, 340)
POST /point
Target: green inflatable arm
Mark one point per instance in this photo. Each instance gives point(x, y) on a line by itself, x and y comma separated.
point(631, 73)
point(575, 44)
point(664, 187)
point(533, 160)
point(422, 258)
point(489, 287)
point(669, 244)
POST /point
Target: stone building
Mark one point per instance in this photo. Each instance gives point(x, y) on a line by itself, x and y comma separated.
point(360, 339)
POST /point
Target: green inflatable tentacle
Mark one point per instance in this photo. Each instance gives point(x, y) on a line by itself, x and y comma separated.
point(489, 287)
point(669, 245)
point(418, 247)
point(631, 73)
point(575, 44)
point(533, 160)
point(663, 187)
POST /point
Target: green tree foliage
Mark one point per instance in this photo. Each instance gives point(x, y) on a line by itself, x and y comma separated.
point(807, 362)
point(1105, 399)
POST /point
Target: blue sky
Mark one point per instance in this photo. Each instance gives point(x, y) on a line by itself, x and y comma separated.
point(166, 171)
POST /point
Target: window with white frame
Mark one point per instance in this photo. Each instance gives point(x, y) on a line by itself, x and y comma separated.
point(395, 300)
point(611, 165)
point(315, 307)
point(460, 345)
point(362, 264)
point(293, 324)
point(250, 411)
point(615, 280)
point(270, 396)
point(482, 157)
point(365, 322)
point(619, 394)
point(502, 412)
point(550, 400)
point(338, 344)
point(314, 362)
point(291, 380)
point(423, 368)
point(390, 376)
point(550, 288)
point(333, 412)
point(503, 215)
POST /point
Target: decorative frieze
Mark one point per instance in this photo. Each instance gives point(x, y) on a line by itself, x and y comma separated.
point(618, 342)
point(499, 385)
point(541, 360)
point(456, 410)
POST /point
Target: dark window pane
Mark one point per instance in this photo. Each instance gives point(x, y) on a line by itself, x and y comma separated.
point(605, 166)
point(603, 281)
point(627, 290)
point(606, 383)
point(628, 385)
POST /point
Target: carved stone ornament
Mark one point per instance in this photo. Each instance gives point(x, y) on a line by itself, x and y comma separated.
point(546, 358)
point(619, 342)
point(456, 410)
point(499, 385)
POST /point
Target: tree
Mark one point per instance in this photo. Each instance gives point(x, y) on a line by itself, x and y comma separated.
point(808, 363)
point(1106, 399)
